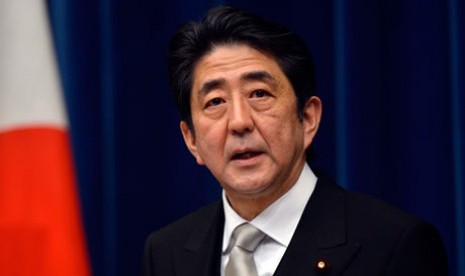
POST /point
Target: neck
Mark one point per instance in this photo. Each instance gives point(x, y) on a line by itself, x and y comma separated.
point(249, 208)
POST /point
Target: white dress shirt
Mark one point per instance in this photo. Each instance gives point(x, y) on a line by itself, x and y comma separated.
point(278, 221)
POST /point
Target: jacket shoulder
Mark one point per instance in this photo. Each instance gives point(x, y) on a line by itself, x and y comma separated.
point(181, 229)
point(189, 232)
point(400, 242)
point(389, 240)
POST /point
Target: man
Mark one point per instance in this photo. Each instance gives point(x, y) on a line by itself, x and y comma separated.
point(245, 90)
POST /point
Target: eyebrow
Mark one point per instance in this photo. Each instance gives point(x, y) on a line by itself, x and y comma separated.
point(211, 85)
point(261, 76)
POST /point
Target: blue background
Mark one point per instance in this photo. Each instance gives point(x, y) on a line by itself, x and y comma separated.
point(390, 74)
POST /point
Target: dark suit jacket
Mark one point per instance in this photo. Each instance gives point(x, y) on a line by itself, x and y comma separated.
point(355, 234)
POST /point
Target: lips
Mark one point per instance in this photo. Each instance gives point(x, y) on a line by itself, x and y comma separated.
point(245, 155)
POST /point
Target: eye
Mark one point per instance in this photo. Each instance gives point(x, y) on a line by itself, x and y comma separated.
point(260, 93)
point(214, 102)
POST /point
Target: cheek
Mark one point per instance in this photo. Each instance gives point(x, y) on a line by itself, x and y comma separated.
point(285, 132)
point(209, 140)
point(283, 120)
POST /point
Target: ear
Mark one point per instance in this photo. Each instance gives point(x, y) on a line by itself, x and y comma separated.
point(189, 139)
point(311, 119)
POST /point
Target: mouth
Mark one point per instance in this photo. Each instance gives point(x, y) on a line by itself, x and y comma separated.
point(245, 155)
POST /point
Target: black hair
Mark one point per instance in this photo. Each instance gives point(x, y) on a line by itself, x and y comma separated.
point(227, 25)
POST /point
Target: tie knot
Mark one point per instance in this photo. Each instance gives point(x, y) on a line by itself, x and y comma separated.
point(247, 237)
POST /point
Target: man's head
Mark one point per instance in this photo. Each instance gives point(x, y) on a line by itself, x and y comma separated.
point(241, 114)
point(227, 25)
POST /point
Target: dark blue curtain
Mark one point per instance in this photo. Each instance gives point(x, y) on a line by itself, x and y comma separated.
point(390, 73)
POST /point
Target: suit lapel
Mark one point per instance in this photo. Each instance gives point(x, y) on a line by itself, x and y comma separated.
point(320, 236)
point(201, 254)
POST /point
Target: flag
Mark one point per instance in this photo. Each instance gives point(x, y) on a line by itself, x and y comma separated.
point(41, 230)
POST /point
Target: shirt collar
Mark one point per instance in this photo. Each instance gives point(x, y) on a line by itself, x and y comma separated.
point(279, 220)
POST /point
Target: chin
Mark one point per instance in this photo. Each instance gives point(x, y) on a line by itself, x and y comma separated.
point(248, 189)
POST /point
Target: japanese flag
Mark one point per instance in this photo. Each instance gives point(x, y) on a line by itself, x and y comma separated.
point(41, 231)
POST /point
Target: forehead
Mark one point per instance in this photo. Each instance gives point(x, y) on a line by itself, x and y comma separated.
point(231, 62)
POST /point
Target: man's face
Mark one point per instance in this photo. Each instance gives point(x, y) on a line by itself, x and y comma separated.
point(247, 132)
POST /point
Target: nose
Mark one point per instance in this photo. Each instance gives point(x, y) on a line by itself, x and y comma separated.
point(240, 117)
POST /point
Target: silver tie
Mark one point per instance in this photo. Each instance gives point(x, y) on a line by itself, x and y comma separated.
point(241, 262)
